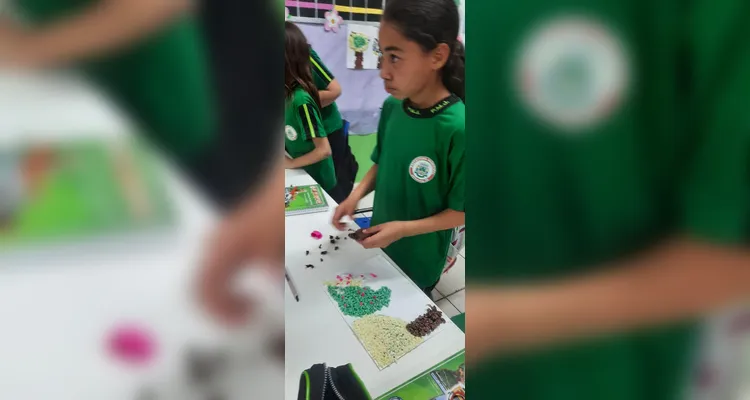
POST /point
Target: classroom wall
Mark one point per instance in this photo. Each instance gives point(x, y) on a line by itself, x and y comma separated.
point(363, 92)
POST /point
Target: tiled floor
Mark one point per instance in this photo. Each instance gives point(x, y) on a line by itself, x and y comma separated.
point(451, 290)
point(454, 280)
point(449, 309)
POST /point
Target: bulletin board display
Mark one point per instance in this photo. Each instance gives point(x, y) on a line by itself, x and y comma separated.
point(313, 11)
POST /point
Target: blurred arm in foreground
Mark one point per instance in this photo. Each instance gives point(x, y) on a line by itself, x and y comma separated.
point(253, 233)
point(106, 26)
point(699, 266)
point(680, 280)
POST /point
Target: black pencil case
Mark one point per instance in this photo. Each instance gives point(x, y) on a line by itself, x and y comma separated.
point(321, 382)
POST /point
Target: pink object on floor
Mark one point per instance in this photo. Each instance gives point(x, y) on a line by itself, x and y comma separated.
point(132, 345)
point(316, 235)
point(373, 275)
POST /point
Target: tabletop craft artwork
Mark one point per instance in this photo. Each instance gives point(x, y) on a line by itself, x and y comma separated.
point(58, 191)
point(364, 306)
point(306, 199)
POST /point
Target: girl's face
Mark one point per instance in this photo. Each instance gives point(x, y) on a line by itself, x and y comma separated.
point(406, 68)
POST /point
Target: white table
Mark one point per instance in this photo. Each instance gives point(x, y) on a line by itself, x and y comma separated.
point(315, 330)
point(57, 306)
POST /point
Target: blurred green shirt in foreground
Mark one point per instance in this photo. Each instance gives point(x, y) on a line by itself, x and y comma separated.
point(597, 129)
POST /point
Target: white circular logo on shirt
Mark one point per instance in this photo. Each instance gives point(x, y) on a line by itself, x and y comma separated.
point(291, 134)
point(572, 73)
point(422, 169)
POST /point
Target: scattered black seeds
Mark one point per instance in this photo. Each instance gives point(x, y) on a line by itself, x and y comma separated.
point(307, 252)
point(310, 266)
point(333, 241)
point(330, 236)
point(338, 238)
point(321, 260)
point(323, 252)
point(336, 248)
point(320, 246)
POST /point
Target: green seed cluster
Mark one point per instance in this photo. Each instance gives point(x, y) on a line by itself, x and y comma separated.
point(359, 301)
point(385, 338)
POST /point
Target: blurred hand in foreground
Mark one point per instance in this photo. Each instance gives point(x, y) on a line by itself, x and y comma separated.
point(252, 235)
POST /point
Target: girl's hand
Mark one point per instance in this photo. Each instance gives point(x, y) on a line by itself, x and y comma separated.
point(384, 234)
point(345, 209)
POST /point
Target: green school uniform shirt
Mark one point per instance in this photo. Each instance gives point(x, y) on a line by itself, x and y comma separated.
point(162, 81)
point(303, 124)
point(322, 76)
point(597, 137)
point(420, 156)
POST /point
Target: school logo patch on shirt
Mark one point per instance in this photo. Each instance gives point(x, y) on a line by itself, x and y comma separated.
point(422, 169)
point(291, 134)
point(572, 73)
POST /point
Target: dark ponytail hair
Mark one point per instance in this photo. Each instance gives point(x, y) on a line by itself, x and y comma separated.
point(429, 23)
point(297, 69)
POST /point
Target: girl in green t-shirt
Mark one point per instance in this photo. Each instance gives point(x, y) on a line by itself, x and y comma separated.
point(418, 176)
point(305, 140)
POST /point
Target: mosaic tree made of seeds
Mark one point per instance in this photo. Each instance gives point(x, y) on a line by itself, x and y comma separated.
point(359, 301)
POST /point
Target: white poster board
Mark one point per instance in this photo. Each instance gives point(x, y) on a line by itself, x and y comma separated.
point(406, 303)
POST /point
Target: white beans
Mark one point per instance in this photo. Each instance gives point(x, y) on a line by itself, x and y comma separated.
point(385, 338)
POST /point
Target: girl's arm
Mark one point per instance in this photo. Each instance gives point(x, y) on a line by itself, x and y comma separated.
point(321, 152)
point(445, 220)
point(105, 26)
point(383, 235)
point(680, 280)
point(330, 94)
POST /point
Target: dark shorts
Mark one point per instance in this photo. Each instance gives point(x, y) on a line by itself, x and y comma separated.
point(344, 163)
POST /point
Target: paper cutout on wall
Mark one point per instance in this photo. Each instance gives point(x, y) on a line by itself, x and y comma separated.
point(360, 53)
point(333, 21)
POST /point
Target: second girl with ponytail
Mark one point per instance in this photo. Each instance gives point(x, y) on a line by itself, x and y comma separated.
point(419, 172)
